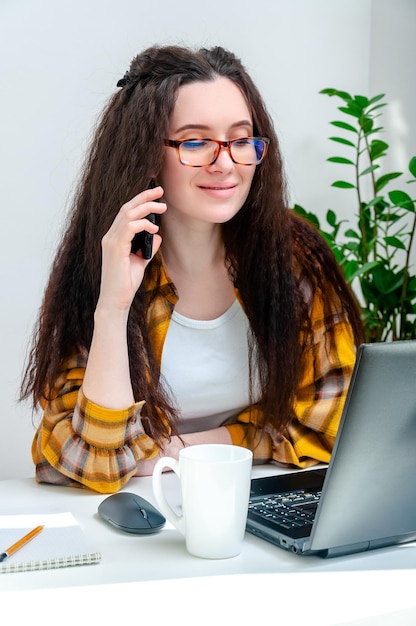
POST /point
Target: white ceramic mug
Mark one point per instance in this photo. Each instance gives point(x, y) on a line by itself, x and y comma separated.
point(215, 485)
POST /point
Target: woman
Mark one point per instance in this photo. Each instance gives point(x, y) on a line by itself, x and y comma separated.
point(240, 329)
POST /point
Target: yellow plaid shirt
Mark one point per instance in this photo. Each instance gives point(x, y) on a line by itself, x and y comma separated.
point(80, 443)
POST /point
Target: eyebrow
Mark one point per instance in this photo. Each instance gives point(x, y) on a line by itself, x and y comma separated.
point(204, 127)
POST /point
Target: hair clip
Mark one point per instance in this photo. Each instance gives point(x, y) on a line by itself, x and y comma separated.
point(124, 81)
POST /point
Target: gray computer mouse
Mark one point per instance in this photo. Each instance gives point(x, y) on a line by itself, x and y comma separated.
point(131, 513)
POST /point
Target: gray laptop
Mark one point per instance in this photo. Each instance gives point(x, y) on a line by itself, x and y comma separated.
point(366, 498)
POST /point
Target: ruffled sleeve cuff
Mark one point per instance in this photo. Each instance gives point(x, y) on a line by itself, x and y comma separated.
point(106, 428)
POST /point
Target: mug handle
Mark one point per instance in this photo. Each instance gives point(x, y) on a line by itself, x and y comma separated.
point(164, 506)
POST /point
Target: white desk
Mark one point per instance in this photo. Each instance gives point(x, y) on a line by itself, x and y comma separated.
point(153, 576)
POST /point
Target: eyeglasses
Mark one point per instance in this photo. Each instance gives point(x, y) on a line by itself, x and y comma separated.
point(204, 152)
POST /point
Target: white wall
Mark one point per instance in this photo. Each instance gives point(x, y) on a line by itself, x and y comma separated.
point(393, 71)
point(60, 60)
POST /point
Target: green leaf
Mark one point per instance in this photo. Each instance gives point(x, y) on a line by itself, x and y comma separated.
point(402, 199)
point(385, 179)
point(362, 101)
point(299, 209)
point(345, 126)
point(380, 278)
point(412, 166)
point(395, 242)
point(376, 98)
point(360, 271)
point(375, 130)
point(343, 184)
point(378, 106)
point(377, 148)
point(369, 169)
point(367, 125)
point(352, 246)
point(353, 105)
point(338, 254)
point(395, 283)
point(385, 280)
point(370, 293)
point(335, 92)
point(350, 270)
point(341, 160)
point(331, 218)
point(350, 111)
point(352, 233)
point(311, 217)
point(377, 200)
point(345, 142)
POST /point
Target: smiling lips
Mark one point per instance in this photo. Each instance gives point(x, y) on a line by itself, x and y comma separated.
point(219, 192)
point(228, 187)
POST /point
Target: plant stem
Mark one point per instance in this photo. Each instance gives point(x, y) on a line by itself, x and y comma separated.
point(373, 182)
point(363, 229)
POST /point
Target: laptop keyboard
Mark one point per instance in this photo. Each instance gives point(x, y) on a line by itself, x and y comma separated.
point(294, 509)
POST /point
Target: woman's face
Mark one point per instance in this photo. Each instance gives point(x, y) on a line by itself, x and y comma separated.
point(213, 194)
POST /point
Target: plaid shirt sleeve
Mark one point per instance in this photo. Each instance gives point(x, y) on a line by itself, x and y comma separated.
point(310, 436)
point(80, 443)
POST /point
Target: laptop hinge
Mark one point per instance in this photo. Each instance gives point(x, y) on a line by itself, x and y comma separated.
point(344, 550)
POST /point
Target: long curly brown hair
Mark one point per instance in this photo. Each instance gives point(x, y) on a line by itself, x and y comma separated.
point(262, 242)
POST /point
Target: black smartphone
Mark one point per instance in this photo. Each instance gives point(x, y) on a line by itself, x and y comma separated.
point(144, 241)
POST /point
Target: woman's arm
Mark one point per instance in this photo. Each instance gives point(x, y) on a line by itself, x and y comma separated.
point(91, 431)
point(327, 368)
point(80, 443)
point(107, 376)
point(176, 444)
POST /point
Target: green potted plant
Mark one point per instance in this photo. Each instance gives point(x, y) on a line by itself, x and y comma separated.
point(373, 246)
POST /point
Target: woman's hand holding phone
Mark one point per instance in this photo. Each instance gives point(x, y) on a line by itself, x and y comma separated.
point(122, 270)
point(107, 375)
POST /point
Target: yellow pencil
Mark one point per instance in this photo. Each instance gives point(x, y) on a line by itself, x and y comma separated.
point(19, 544)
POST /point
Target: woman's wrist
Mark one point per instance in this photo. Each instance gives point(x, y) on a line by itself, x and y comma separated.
point(172, 448)
point(104, 315)
point(107, 376)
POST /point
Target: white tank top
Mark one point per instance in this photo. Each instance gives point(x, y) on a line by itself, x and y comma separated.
point(205, 365)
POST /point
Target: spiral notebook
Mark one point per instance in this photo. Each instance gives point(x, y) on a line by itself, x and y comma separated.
point(62, 543)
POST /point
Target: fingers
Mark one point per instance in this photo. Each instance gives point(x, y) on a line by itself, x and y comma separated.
point(144, 203)
point(139, 208)
point(149, 195)
point(132, 219)
point(121, 271)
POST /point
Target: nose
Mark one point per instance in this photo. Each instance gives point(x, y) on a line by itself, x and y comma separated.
point(223, 162)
